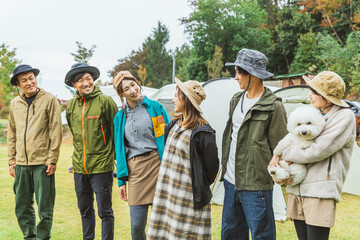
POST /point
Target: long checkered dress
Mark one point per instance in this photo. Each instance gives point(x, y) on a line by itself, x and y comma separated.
point(173, 215)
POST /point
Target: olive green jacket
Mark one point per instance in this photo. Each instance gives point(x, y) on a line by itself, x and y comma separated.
point(263, 127)
point(90, 119)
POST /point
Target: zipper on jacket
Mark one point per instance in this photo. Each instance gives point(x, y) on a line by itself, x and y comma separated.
point(27, 118)
point(83, 133)
point(102, 129)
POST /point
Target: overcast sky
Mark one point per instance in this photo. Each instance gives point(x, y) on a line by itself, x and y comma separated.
point(44, 32)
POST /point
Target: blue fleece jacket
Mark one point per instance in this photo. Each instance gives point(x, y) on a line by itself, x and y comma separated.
point(159, 118)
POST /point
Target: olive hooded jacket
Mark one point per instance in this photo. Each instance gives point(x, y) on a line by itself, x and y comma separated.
point(264, 125)
point(90, 118)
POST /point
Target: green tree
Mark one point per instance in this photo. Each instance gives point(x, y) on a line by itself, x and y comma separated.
point(158, 62)
point(307, 54)
point(215, 65)
point(229, 24)
point(83, 54)
point(339, 18)
point(290, 25)
point(131, 63)
point(8, 61)
point(322, 52)
point(182, 59)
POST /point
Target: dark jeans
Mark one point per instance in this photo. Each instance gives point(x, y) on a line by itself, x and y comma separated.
point(138, 216)
point(309, 232)
point(85, 187)
point(30, 180)
point(244, 210)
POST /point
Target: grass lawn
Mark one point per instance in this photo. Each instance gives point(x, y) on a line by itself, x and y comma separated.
point(67, 222)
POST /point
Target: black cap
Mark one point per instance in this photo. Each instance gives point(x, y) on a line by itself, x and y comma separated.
point(81, 68)
point(22, 69)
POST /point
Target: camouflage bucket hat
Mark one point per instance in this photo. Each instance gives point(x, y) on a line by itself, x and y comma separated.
point(252, 61)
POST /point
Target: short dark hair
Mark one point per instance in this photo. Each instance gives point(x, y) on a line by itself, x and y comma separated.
point(241, 71)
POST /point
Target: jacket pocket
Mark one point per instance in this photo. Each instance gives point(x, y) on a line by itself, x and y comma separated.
point(159, 125)
point(258, 126)
point(261, 158)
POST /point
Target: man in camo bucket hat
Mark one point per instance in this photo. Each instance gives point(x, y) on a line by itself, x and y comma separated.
point(257, 122)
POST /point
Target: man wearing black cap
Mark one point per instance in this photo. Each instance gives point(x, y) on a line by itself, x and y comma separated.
point(34, 138)
point(257, 123)
point(90, 117)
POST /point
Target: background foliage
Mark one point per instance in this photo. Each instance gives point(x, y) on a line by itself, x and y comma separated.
point(296, 36)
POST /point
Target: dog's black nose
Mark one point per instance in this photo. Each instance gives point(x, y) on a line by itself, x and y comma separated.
point(304, 133)
point(272, 172)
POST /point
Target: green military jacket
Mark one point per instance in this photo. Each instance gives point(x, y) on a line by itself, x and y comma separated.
point(263, 127)
point(90, 119)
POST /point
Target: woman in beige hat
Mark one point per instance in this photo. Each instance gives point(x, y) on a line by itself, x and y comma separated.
point(311, 204)
point(139, 145)
point(181, 208)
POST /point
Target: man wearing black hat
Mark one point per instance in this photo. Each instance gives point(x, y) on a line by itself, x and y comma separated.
point(90, 117)
point(257, 123)
point(34, 138)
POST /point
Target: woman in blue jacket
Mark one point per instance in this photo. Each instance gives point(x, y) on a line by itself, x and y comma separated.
point(182, 208)
point(139, 145)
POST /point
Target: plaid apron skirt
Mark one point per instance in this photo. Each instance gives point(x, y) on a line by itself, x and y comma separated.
point(173, 215)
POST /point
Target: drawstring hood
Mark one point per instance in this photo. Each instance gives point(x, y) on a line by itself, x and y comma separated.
point(242, 97)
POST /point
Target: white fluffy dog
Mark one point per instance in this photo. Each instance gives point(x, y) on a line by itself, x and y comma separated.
point(304, 124)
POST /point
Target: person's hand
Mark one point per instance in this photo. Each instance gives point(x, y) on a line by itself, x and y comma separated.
point(285, 181)
point(50, 169)
point(12, 170)
point(122, 191)
point(275, 161)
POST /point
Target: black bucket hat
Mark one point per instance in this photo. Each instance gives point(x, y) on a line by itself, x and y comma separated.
point(252, 61)
point(81, 68)
point(22, 69)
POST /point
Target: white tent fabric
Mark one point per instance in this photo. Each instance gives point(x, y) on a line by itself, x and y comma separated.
point(165, 95)
point(352, 182)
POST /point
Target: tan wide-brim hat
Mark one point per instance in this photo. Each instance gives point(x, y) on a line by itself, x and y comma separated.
point(121, 76)
point(330, 85)
point(193, 90)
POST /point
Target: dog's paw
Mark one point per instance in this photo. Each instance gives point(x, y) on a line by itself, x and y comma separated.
point(305, 144)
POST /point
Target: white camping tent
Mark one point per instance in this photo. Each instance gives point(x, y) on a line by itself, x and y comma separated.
point(294, 96)
point(216, 110)
point(110, 91)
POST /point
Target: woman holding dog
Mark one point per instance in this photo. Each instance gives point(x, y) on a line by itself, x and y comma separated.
point(139, 145)
point(182, 208)
point(312, 203)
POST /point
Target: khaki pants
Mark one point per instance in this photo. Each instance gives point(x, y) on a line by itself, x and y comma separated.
point(314, 211)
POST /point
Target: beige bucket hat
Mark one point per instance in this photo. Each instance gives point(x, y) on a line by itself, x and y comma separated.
point(121, 76)
point(330, 85)
point(193, 90)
